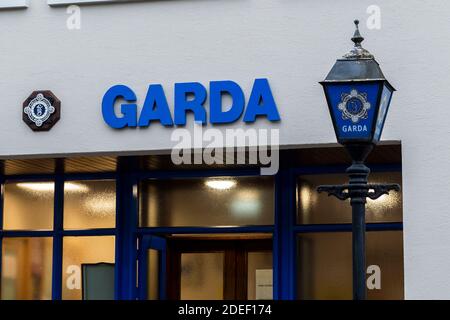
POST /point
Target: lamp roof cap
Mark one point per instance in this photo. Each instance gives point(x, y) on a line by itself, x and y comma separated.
point(356, 65)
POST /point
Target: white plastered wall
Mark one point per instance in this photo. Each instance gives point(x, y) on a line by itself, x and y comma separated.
point(292, 43)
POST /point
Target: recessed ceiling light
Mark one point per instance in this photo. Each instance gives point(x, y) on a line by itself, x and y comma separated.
point(50, 186)
point(220, 184)
point(37, 186)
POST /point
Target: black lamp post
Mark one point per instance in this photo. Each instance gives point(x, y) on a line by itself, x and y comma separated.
point(358, 97)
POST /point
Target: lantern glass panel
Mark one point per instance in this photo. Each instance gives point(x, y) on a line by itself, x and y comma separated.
point(385, 100)
point(353, 108)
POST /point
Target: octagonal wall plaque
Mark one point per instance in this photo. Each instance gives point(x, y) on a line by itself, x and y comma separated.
point(41, 110)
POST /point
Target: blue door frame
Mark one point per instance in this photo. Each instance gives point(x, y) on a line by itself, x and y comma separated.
point(127, 233)
point(159, 244)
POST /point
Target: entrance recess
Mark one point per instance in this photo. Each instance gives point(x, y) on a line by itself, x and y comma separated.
point(205, 267)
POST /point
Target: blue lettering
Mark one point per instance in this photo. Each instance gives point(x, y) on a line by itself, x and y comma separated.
point(128, 110)
point(190, 97)
point(217, 89)
point(155, 107)
point(261, 102)
point(182, 104)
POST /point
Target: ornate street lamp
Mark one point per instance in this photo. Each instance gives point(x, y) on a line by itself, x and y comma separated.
point(358, 97)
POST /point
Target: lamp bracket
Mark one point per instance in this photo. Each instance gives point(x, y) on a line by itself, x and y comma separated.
point(345, 191)
point(339, 191)
point(377, 190)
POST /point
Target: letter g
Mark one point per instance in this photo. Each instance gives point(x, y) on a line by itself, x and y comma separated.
point(128, 110)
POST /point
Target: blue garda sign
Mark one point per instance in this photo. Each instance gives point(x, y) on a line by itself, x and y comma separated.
point(189, 97)
point(353, 107)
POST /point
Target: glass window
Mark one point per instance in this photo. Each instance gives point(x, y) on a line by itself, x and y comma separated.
point(221, 201)
point(259, 275)
point(26, 269)
point(153, 274)
point(83, 250)
point(28, 205)
point(325, 265)
point(89, 204)
point(314, 207)
point(202, 276)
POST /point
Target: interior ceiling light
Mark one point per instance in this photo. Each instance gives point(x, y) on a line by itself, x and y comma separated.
point(50, 186)
point(220, 184)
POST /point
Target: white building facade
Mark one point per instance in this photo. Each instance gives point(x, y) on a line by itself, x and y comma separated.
point(79, 49)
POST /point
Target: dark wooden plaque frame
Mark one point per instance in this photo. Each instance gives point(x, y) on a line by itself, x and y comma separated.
point(54, 117)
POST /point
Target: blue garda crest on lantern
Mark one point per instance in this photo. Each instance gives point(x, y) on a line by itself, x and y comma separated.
point(358, 95)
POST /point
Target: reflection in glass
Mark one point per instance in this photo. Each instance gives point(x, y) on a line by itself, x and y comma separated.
point(207, 202)
point(325, 264)
point(80, 250)
point(90, 204)
point(259, 275)
point(26, 269)
point(202, 276)
point(320, 208)
point(28, 206)
point(153, 275)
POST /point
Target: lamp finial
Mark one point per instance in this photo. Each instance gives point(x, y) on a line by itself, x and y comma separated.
point(358, 52)
point(357, 38)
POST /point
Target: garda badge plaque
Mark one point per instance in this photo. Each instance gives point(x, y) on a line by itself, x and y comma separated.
point(41, 110)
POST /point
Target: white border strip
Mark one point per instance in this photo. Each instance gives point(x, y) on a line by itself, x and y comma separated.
point(13, 4)
point(67, 2)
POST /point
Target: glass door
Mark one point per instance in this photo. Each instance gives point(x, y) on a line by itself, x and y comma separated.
point(152, 268)
point(205, 268)
point(210, 268)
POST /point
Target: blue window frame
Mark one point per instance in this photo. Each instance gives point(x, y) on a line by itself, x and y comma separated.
point(127, 232)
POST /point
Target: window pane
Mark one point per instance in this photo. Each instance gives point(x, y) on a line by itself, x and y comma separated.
point(314, 207)
point(325, 265)
point(89, 204)
point(28, 206)
point(202, 276)
point(81, 250)
point(385, 250)
point(259, 276)
point(153, 275)
point(207, 202)
point(26, 269)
